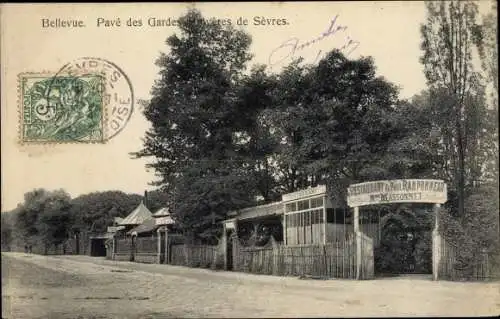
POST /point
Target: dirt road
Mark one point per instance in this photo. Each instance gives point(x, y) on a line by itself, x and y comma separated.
point(85, 287)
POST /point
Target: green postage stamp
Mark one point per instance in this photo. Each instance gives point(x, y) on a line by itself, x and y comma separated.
point(62, 108)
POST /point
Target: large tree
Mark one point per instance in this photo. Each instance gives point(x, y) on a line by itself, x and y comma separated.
point(95, 211)
point(334, 122)
point(45, 216)
point(450, 38)
point(192, 112)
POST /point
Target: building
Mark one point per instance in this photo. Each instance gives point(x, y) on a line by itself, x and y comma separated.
point(307, 216)
point(310, 217)
point(122, 247)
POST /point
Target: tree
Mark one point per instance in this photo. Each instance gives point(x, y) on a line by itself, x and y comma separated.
point(333, 122)
point(54, 220)
point(6, 230)
point(192, 113)
point(488, 51)
point(96, 211)
point(45, 216)
point(449, 38)
point(254, 143)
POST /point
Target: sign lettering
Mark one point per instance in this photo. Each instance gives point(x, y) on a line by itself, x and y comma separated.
point(397, 191)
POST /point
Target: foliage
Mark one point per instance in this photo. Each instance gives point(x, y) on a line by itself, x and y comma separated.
point(450, 37)
point(221, 138)
point(50, 218)
point(333, 123)
point(488, 50)
point(193, 114)
point(475, 233)
point(45, 216)
point(95, 211)
point(6, 230)
point(405, 241)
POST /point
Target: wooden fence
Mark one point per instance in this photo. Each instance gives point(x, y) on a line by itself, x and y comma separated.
point(333, 260)
point(145, 249)
point(70, 246)
point(204, 256)
point(451, 267)
point(123, 249)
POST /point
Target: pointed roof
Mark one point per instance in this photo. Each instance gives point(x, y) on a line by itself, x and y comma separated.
point(162, 212)
point(137, 216)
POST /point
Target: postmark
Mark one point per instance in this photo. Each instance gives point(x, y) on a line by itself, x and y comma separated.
point(89, 100)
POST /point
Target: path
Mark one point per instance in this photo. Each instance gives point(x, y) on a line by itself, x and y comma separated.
point(57, 287)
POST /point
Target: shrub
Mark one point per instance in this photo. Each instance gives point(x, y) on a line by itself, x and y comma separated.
point(473, 234)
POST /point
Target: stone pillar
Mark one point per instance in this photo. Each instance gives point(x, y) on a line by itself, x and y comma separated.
point(114, 247)
point(357, 237)
point(224, 244)
point(166, 259)
point(283, 224)
point(158, 251)
point(436, 244)
point(324, 220)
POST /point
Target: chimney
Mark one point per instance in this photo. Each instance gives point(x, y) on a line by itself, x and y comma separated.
point(145, 199)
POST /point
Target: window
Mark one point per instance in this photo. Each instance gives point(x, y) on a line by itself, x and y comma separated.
point(320, 212)
point(303, 204)
point(317, 202)
point(307, 218)
point(291, 207)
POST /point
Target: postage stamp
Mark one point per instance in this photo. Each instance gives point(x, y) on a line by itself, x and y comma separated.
point(89, 100)
point(61, 108)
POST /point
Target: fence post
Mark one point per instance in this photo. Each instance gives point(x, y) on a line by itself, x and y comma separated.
point(358, 242)
point(325, 256)
point(436, 244)
point(235, 252)
point(158, 246)
point(186, 257)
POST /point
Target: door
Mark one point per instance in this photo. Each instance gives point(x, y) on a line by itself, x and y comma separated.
point(229, 250)
point(162, 247)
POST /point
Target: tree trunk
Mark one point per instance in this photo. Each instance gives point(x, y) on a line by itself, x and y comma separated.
point(461, 169)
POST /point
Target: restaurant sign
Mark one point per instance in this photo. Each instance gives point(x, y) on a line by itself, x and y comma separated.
point(397, 191)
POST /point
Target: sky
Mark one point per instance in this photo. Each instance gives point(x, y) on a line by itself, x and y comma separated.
point(387, 31)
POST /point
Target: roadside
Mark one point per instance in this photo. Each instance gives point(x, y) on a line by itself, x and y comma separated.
point(67, 286)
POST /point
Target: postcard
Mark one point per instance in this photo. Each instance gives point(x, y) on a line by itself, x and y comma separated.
point(147, 145)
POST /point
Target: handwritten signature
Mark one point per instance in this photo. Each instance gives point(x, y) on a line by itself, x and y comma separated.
point(291, 46)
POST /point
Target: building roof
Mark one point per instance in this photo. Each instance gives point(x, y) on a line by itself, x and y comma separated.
point(147, 226)
point(162, 212)
point(163, 217)
point(275, 208)
point(137, 216)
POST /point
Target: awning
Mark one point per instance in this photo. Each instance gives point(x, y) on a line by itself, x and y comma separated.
point(147, 226)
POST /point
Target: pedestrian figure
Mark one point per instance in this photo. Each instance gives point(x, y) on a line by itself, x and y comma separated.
point(30, 249)
point(25, 249)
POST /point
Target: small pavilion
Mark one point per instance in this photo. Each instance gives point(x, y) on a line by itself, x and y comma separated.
point(138, 216)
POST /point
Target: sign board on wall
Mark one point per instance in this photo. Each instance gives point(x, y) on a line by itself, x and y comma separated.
point(114, 229)
point(308, 192)
point(166, 220)
point(230, 224)
point(397, 191)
